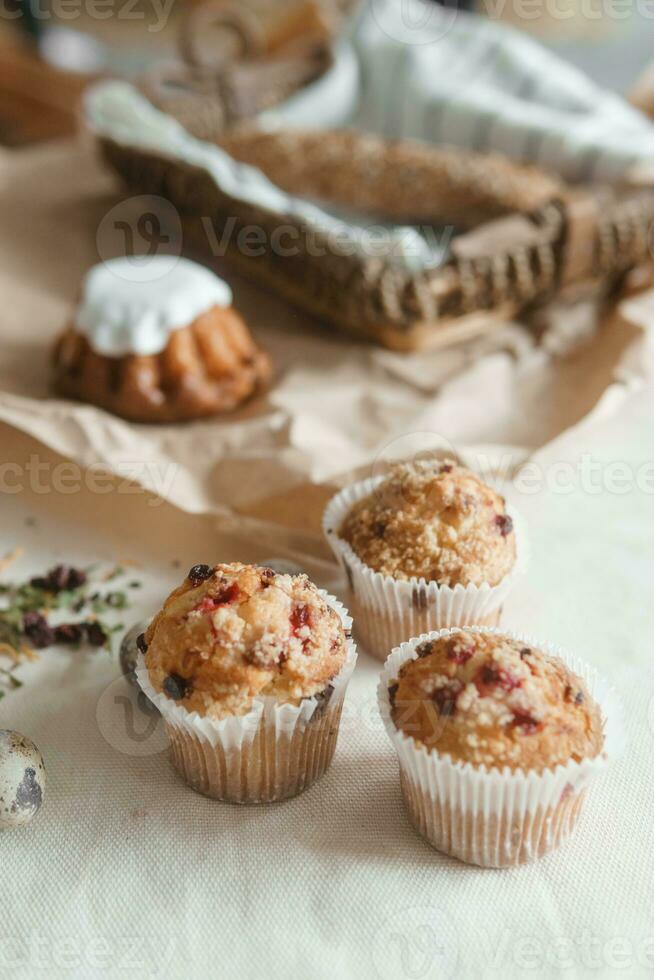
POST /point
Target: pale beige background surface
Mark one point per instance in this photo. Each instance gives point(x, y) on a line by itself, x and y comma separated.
point(128, 873)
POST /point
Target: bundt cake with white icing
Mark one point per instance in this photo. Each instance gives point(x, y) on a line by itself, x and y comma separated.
point(157, 340)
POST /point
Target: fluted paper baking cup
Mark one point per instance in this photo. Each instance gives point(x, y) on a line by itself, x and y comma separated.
point(496, 818)
point(271, 753)
point(388, 611)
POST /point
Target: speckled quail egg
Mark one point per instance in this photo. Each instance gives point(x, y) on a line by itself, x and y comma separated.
point(282, 567)
point(132, 644)
point(22, 779)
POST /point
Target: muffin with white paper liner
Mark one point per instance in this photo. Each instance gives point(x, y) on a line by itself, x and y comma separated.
point(498, 738)
point(249, 670)
point(427, 546)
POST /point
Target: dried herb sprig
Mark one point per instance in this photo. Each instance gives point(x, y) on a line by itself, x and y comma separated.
point(25, 608)
point(8, 681)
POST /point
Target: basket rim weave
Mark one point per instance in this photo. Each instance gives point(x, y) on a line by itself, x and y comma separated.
point(577, 237)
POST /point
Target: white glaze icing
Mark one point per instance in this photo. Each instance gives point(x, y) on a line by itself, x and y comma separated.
point(130, 306)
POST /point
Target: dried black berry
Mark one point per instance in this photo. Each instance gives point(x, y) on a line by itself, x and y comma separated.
point(199, 574)
point(577, 697)
point(75, 578)
point(37, 630)
point(424, 649)
point(69, 633)
point(504, 524)
point(445, 698)
point(61, 578)
point(176, 687)
point(392, 691)
point(141, 644)
point(525, 652)
point(95, 634)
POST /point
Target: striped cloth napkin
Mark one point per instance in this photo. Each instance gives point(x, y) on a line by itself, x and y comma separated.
point(416, 69)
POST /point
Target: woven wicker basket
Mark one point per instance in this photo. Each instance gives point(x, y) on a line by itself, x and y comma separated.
point(494, 271)
point(526, 235)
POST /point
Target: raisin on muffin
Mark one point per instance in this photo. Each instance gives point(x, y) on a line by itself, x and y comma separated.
point(486, 699)
point(434, 520)
point(236, 632)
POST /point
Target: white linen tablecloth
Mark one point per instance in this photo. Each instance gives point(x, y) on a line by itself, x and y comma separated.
point(126, 872)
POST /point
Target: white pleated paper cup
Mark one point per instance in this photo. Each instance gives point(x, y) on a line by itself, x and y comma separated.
point(388, 611)
point(272, 753)
point(491, 817)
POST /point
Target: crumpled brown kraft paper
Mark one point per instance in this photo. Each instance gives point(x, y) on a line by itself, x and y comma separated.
point(334, 407)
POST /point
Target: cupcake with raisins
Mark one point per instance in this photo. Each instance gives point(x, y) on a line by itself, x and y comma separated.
point(425, 547)
point(249, 670)
point(498, 739)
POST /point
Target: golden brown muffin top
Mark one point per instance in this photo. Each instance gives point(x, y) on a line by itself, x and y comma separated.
point(490, 700)
point(434, 520)
point(235, 632)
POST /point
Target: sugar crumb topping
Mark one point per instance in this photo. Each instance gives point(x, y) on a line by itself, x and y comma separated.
point(434, 520)
point(489, 700)
point(233, 632)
